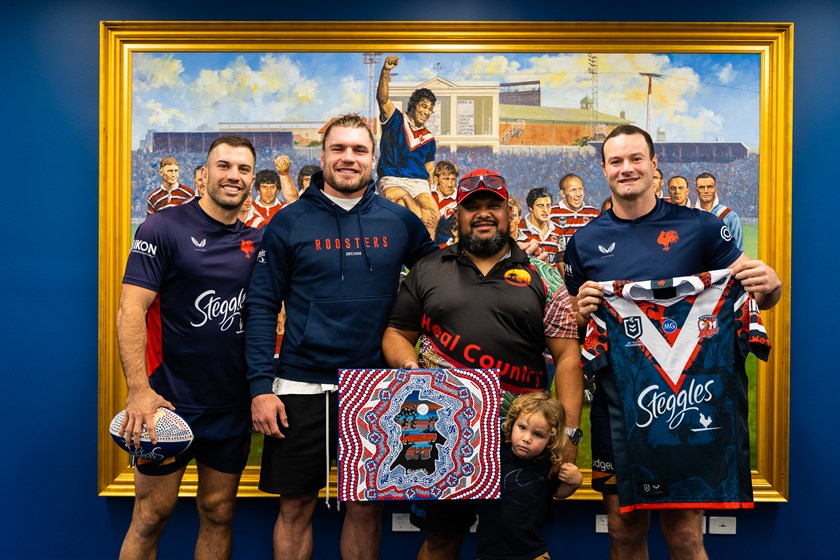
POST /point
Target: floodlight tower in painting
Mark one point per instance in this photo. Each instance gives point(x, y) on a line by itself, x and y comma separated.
point(372, 60)
point(592, 63)
point(650, 77)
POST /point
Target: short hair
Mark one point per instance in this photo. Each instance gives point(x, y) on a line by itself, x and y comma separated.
point(513, 203)
point(350, 120)
point(677, 177)
point(267, 177)
point(419, 95)
point(606, 204)
point(444, 166)
point(555, 416)
point(534, 194)
point(565, 178)
point(235, 141)
point(661, 176)
point(706, 175)
point(168, 161)
point(628, 129)
point(306, 171)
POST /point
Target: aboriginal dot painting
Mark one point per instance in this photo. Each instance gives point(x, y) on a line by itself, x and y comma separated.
point(422, 434)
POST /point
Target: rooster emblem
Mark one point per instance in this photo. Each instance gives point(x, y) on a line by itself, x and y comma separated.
point(705, 421)
point(247, 247)
point(666, 238)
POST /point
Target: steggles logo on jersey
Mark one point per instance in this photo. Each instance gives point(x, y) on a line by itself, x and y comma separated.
point(224, 312)
point(518, 277)
point(667, 238)
point(247, 247)
point(144, 248)
point(655, 403)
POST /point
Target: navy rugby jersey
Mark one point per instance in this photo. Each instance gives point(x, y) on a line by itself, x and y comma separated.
point(667, 242)
point(200, 269)
point(669, 357)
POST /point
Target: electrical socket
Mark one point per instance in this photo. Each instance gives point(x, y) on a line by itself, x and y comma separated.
point(600, 523)
point(401, 523)
point(722, 525)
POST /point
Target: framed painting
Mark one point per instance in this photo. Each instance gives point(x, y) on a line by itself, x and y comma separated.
point(531, 99)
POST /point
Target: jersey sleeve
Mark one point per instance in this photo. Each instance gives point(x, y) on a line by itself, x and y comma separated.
point(722, 249)
point(266, 292)
point(574, 271)
point(407, 311)
point(594, 353)
point(558, 319)
point(150, 255)
point(752, 336)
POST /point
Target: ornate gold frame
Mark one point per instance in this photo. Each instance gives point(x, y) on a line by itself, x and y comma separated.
point(772, 41)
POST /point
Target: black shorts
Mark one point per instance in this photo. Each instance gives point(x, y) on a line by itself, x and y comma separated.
point(297, 464)
point(221, 441)
point(444, 516)
point(603, 468)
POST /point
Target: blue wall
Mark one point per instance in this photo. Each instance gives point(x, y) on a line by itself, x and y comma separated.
point(49, 329)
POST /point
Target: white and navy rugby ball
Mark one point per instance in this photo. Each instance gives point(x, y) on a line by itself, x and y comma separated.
point(174, 435)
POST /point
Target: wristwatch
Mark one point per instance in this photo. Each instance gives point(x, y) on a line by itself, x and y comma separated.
point(575, 434)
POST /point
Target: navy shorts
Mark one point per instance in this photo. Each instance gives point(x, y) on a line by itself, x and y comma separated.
point(222, 441)
point(603, 468)
point(297, 464)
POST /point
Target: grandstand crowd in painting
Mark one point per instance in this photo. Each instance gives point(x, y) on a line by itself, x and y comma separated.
point(736, 170)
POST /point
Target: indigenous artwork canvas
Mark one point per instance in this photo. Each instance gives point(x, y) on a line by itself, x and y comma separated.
point(423, 434)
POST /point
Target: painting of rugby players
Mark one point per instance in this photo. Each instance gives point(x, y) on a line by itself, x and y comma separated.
point(533, 117)
point(532, 100)
point(424, 434)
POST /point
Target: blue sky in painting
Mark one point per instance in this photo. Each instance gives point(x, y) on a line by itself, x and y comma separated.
point(701, 97)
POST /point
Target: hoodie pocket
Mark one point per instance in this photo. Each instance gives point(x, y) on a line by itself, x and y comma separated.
point(346, 332)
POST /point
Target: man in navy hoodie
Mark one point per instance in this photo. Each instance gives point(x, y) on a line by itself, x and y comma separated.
point(334, 258)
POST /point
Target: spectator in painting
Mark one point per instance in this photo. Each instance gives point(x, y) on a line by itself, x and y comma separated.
point(170, 193)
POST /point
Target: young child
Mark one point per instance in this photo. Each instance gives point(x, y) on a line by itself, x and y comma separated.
point(533, 441)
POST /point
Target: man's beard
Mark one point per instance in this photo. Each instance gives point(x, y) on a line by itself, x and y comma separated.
point(346, 188)
point(486, 247)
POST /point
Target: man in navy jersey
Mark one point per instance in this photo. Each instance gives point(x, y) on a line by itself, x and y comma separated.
point(643, 238)
point(189, 267)
point(334, 258)
point(504, 309)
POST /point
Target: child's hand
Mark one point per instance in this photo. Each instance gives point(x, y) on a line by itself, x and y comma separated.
point(570, 474)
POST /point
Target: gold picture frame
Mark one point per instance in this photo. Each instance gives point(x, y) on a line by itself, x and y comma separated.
point(773, 42)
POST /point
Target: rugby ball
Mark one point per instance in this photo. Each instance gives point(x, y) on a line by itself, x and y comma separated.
point(173, 436)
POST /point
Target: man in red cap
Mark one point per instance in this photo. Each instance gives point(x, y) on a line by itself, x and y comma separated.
point(504, 309)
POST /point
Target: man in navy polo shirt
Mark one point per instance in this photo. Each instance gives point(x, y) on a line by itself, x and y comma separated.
point(502, 309)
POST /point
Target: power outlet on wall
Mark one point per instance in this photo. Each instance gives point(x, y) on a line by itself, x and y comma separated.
point(400, 523)
point(600, 523)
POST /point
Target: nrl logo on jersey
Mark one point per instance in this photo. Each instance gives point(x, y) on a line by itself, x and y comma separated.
point(632, 327)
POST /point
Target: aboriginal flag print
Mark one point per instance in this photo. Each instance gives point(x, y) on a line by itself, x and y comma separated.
point(421, 434)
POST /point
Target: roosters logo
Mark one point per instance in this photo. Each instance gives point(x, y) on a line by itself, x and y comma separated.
point(247, 247)
point(666, 238)
point(518, 277)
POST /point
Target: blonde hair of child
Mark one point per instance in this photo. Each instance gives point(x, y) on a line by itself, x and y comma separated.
point(555, 416)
